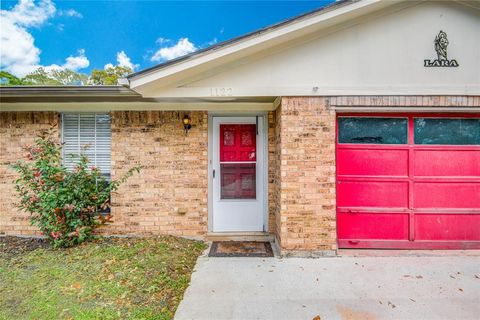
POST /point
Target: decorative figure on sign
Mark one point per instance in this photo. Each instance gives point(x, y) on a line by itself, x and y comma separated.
point(441, 44)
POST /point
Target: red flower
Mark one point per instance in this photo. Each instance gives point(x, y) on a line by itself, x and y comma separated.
point(69, 207)
point(54, 235)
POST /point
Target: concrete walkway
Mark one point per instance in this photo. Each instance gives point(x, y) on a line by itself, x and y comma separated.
point(443, 287)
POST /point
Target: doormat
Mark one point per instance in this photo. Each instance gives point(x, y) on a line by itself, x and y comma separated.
point(241, 249)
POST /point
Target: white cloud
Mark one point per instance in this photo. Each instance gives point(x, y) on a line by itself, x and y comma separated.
point(72, 62)
point(77, 62)
point(162, 40)
point(19, 55)
point(182, 47)
point(70, 13)
point(123, 61)
point(27, 14)
point(212, 42)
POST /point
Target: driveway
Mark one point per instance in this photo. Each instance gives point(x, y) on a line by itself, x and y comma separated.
point(409, 287)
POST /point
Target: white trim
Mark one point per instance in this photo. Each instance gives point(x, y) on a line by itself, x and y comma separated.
point(243, 90)
point(264, 116)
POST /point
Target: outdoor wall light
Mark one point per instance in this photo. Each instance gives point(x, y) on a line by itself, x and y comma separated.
point(186, 124)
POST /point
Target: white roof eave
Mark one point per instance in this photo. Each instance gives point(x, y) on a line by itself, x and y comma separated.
point(257, 42)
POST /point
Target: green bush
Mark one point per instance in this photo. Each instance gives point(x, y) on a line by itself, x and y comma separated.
point(65, 205)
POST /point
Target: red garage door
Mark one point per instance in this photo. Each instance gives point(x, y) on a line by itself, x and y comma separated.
point(408, 181)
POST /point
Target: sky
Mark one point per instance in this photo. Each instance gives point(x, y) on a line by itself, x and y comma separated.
point(86, 35)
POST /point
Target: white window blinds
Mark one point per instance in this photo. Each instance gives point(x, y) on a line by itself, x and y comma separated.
point(90, 134)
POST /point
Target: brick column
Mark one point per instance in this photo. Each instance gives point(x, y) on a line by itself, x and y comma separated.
point(307, 176)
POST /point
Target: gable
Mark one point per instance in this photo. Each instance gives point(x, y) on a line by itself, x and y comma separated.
point(381, 53)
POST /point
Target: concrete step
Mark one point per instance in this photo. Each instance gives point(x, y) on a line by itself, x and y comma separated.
point(240, 236)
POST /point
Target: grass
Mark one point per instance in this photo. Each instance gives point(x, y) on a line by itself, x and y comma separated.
point(110, 278)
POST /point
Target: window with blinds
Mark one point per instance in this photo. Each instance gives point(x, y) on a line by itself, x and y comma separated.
point(89, 134)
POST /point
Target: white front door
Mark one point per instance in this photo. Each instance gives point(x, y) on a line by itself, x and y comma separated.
point(238, 174)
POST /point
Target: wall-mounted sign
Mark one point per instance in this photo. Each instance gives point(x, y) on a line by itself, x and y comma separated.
point(441, 44)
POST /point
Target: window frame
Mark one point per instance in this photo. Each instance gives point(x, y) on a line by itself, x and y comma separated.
point(62, 137)
point(414, 117)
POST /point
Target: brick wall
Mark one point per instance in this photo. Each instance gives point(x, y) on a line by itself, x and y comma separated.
point(405, 101)
point(169, 196)
point(16, 130)
point(306, 133)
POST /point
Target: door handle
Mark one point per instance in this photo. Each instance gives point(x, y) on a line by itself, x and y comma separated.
point(213, 173)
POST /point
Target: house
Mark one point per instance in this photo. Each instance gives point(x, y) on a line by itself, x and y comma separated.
point(353, 126)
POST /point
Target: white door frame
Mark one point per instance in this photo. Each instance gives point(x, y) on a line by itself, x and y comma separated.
point(262, 116)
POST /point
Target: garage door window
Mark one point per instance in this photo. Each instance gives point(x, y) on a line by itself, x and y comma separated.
point(444, 131)
point(366, 130)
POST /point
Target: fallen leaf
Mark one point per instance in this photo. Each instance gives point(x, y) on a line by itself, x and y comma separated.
point(460, 289)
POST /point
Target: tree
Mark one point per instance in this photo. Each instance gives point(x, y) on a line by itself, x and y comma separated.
point(55, 77)
point(108, 76)
point(40, 77)
point(66, 77)
point(8, 79)
point(69, 77)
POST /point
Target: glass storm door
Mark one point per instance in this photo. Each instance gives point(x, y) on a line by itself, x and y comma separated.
point(238, 195)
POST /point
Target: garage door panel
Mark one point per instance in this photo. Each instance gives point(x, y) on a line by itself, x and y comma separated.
point(408, 189)
point(386, 194)
point(387, 226)
point(446, 195)
point(447, 227)
point(447, 162)
point(373, 162)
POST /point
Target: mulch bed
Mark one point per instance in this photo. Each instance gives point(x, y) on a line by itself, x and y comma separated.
point(17, 245)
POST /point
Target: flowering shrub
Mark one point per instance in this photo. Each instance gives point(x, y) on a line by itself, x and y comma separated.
point(64, 204)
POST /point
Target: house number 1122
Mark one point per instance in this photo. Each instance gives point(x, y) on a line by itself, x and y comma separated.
point(221, 92)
